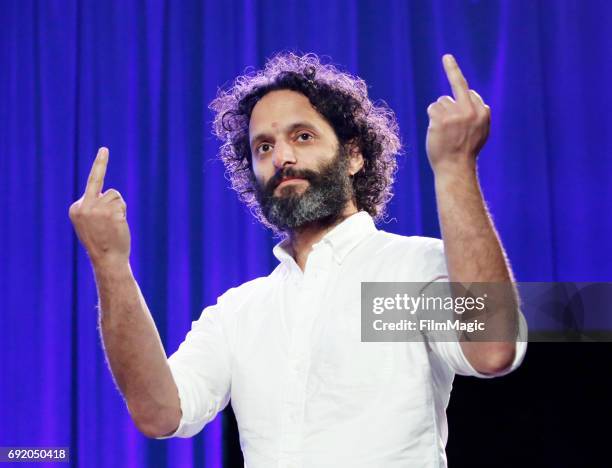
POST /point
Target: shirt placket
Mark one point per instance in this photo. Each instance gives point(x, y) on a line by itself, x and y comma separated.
point(306, 304)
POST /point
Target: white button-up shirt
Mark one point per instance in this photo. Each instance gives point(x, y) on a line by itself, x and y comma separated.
point(306, 392)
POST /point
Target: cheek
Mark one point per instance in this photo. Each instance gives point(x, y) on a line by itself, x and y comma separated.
point(261, 172)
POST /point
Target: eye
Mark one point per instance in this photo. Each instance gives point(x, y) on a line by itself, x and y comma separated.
point(304, 136)
point(263, 148)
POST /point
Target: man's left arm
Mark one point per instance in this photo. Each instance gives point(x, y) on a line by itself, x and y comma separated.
point(458, 129)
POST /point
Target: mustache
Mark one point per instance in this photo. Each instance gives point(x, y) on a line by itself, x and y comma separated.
point(289, 172)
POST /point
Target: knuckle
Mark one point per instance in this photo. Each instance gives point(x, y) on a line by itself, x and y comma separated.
point(85, 211)
point(96, 211)
point(470, 114)
point(74, 210)
point(477, 96)
point(453, 118)
point(447, 121)
point(112, 192)
point(118, 201)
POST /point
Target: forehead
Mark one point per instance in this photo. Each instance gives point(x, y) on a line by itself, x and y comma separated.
point(280, 109)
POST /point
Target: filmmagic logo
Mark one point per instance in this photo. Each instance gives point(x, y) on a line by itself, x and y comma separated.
point(429, 325)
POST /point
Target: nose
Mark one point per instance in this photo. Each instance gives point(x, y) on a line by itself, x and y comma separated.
point(283, 155)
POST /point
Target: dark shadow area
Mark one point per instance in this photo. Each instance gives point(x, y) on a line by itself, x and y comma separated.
point(554, 411)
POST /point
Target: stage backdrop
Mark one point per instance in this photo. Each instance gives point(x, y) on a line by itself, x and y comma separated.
point(137, 76)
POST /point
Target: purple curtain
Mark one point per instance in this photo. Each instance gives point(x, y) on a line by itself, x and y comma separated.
point(137, 76)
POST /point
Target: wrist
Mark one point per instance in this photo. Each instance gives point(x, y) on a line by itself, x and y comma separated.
point(461, 166)
point(453, 172)
point(457, 185)
point(111, 267)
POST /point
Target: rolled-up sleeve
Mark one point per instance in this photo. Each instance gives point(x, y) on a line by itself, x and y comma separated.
point(201, 368)
point(451, 351)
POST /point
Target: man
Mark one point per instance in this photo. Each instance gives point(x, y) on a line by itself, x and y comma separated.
point(314, 159)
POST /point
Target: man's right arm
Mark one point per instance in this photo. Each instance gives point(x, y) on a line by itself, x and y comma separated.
point(133, 348)
point(135, 352)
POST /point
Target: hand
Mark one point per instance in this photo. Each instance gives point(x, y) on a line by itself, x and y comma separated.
point(459, 127)
point(100, 219)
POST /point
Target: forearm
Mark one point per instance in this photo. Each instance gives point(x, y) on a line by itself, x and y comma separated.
point(134, 351)
point(473, 250)
point(474, 254)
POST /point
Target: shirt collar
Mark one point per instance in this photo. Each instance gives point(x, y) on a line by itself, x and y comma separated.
point(342, 238)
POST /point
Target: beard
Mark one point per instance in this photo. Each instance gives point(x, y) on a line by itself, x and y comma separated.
point(322, 202)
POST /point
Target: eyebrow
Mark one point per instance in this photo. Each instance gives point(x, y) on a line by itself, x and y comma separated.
point(266, 136)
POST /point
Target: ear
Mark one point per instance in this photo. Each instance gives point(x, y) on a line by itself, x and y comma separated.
point(355, 158)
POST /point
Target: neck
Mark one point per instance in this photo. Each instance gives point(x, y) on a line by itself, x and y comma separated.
point(301, 240)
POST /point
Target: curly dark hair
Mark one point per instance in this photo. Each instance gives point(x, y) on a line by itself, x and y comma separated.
point(342, 99)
